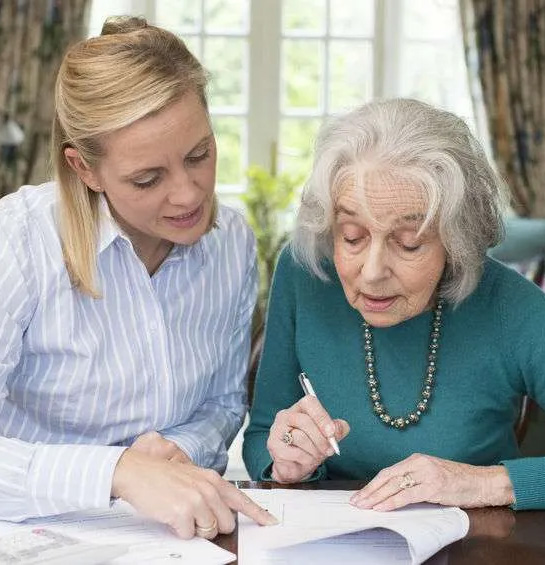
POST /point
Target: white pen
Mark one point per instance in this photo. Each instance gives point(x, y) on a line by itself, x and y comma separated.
point(308, 389)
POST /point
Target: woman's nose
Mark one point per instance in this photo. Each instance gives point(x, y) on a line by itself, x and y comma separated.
point(375, 265)
point(183, 191)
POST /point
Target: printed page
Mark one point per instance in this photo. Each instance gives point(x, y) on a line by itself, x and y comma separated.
point(147, 540)
point(408, 535)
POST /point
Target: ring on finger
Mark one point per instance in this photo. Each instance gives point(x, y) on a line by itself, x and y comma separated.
point(287, 437)
point(407, 481)
point(202, 531)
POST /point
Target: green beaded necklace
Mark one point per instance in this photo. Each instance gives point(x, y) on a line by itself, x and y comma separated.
point(422, 405)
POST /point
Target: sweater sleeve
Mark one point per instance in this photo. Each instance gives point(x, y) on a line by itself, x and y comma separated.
point(277, 386)
point(523, 313)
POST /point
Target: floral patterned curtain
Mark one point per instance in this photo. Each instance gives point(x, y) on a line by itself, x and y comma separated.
point(33, 37)
point(505, 48)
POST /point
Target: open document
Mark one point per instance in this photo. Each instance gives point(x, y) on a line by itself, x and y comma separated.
point(320, 526)
point(146, 541)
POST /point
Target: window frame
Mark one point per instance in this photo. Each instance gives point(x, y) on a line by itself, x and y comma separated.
point(263, 113)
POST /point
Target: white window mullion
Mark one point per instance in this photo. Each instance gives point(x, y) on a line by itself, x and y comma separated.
point(326, 48)
point(387, 52)
point(202, 31)
point(264, 93)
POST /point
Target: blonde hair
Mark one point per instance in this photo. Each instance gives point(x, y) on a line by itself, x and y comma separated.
point(105, 83)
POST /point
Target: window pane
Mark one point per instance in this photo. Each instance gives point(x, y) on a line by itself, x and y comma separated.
point(434, 19)
point(432, 64)
point(353, 17)
point(437, 76)
point(193, 43)
point(306, 16)
point(226, 15)
point(227, 87)
point(229, 137)
point(297, 138)
point(180, 15)
point(351, 73)
point(302, 71)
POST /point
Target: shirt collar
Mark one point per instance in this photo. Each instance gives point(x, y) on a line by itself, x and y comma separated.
point(110, 231)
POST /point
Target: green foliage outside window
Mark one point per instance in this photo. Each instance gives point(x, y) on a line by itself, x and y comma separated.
point(268, 200)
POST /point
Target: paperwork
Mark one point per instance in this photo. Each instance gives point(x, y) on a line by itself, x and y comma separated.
point(320, 526)
point(147, 541)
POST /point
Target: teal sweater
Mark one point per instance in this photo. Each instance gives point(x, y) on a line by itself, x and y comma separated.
point(492, 352)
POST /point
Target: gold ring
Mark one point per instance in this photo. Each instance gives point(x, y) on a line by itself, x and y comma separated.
point(407, 481)
point(287, 438)
point(206, 529)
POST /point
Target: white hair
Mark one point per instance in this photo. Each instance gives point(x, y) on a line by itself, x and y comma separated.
point(427, 147)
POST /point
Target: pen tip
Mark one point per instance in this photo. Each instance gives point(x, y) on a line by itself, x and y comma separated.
point(334, 445)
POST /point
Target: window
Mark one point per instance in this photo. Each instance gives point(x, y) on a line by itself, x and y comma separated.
point(280, 66)
point(326, 65)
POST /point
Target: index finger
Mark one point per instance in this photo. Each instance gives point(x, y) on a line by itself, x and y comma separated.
point(237, 500)
point(311, 406)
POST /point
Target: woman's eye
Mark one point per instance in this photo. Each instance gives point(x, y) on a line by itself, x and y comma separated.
point(199, 157)
point(146, 183)
point(410, 248)
point(351, 240)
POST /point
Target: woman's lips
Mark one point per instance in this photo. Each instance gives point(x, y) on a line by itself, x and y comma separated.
point(186, 220)
point(376, 303)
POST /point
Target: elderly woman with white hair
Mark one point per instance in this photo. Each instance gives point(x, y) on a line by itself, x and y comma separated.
point(387, 300)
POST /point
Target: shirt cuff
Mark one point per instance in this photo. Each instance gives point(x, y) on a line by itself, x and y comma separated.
point(63, 478)
point(526, 475)
point(189, 444)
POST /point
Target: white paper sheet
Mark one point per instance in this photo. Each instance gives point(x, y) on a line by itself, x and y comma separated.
point(147, 541)
point(319, 526)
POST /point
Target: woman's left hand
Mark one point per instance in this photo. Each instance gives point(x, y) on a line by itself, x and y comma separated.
point(423, 478)
point(154, 444)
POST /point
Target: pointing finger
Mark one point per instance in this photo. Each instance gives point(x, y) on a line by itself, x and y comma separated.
point(241, 502)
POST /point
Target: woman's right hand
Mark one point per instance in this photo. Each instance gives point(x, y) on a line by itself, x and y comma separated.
point(310, 427)
point(189, 499)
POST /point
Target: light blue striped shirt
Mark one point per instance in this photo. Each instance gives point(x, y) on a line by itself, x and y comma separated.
point(80, 377)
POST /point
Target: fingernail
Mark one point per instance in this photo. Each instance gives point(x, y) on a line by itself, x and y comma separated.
point(330, 451)
point(329, 430)
point(363, 503)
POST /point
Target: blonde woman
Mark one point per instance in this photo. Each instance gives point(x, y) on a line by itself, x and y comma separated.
point(127, 298)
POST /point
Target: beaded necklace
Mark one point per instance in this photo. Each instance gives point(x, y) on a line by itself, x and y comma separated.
point(422, 405)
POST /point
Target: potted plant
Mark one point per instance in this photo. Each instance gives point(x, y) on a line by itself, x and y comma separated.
point(268, 200)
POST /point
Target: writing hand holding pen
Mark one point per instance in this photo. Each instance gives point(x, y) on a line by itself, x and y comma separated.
point(308, 389)
point(303, 436)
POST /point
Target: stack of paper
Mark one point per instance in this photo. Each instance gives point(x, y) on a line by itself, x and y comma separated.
point(320, 526)
point(147, 541)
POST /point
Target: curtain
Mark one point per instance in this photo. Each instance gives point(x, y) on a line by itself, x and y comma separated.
point(505, 49)
point(33, 37)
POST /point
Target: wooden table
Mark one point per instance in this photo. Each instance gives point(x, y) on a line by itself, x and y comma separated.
point(497, 536)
